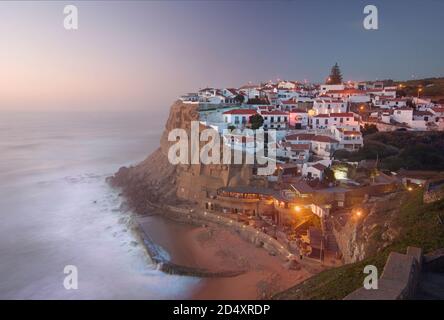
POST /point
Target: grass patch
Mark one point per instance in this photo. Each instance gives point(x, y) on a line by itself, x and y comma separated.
point(419, 228)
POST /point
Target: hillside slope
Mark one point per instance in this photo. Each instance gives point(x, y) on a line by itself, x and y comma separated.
point(419, 227)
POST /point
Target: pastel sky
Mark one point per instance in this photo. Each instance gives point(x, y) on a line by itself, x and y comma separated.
point(141, 55)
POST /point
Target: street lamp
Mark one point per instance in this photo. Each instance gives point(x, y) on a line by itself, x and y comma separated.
point(419, 90)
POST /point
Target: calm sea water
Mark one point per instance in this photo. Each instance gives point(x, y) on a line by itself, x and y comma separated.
point(57, 210)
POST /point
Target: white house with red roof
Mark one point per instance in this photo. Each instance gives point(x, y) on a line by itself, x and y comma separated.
point(239, 118)
point(438, 110)
point(286, 85)
point(252, 91)
point(321, 145)
point(329, 87)
point(329, 105)
point(278, 120)
point(349, 95)
point(298, 119)
point(341, 120)
point(403, 115)
point(350, 140)
point(288, 105)
point(293, 152)
point(315, 170)
point(388, 103)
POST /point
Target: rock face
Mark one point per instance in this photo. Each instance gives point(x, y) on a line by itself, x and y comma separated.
point(362, 237)
point(156, 180)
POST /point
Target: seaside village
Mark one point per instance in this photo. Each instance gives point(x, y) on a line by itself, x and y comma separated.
point(310, 192)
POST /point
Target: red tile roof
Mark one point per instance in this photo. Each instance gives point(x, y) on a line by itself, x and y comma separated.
point(346, 91)
point(271, 113)
point(319, 166)
point(300, 146)
point(310, 137)
point(322, 115)
point(342, 115)
point(241, 111)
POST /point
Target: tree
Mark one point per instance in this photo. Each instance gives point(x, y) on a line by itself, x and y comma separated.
point(335, 76)
point(256, 121)
point(368, 129)
point(329, 176)
point(239, 98)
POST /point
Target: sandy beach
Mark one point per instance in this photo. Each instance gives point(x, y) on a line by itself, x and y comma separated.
point(218, 249)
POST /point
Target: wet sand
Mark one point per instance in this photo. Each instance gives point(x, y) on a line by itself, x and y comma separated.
point(218, 249)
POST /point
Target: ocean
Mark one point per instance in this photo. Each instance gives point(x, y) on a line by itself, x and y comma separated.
point(56, 208)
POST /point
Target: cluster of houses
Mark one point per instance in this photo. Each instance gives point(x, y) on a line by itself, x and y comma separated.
point(311, 122)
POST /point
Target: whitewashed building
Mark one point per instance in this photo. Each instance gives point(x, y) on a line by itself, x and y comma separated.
point(329, 105)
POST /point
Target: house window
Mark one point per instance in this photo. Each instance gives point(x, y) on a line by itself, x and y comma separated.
point(272, 119)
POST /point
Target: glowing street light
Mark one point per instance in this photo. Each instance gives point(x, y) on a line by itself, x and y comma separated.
point(297, 208)
point(358, 213)
point(419, 91)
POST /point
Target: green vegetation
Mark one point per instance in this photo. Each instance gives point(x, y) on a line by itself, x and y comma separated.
point(368, 129)
point(335, 76)
point(430, 87)
point(419, 227)
point(256, 121)
point(329, 176)
point(396, 150)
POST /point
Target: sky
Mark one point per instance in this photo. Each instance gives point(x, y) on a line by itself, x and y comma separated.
point(142, 55)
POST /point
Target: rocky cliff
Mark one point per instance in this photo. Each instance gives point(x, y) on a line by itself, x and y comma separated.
point(156, 180)
point(377, 227)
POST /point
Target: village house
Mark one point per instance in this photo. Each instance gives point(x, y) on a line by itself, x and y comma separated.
point(324, 88)
point(329, 105)
point(315, 170)
point(298, 119)
point(341, 120)
point(252, 91)
point(275, 119)
point(321, 145)
point(239, 118)
point(293, 152)
point(350, 140)
point(388, 103)
point(403, 115)
point(349, 95)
